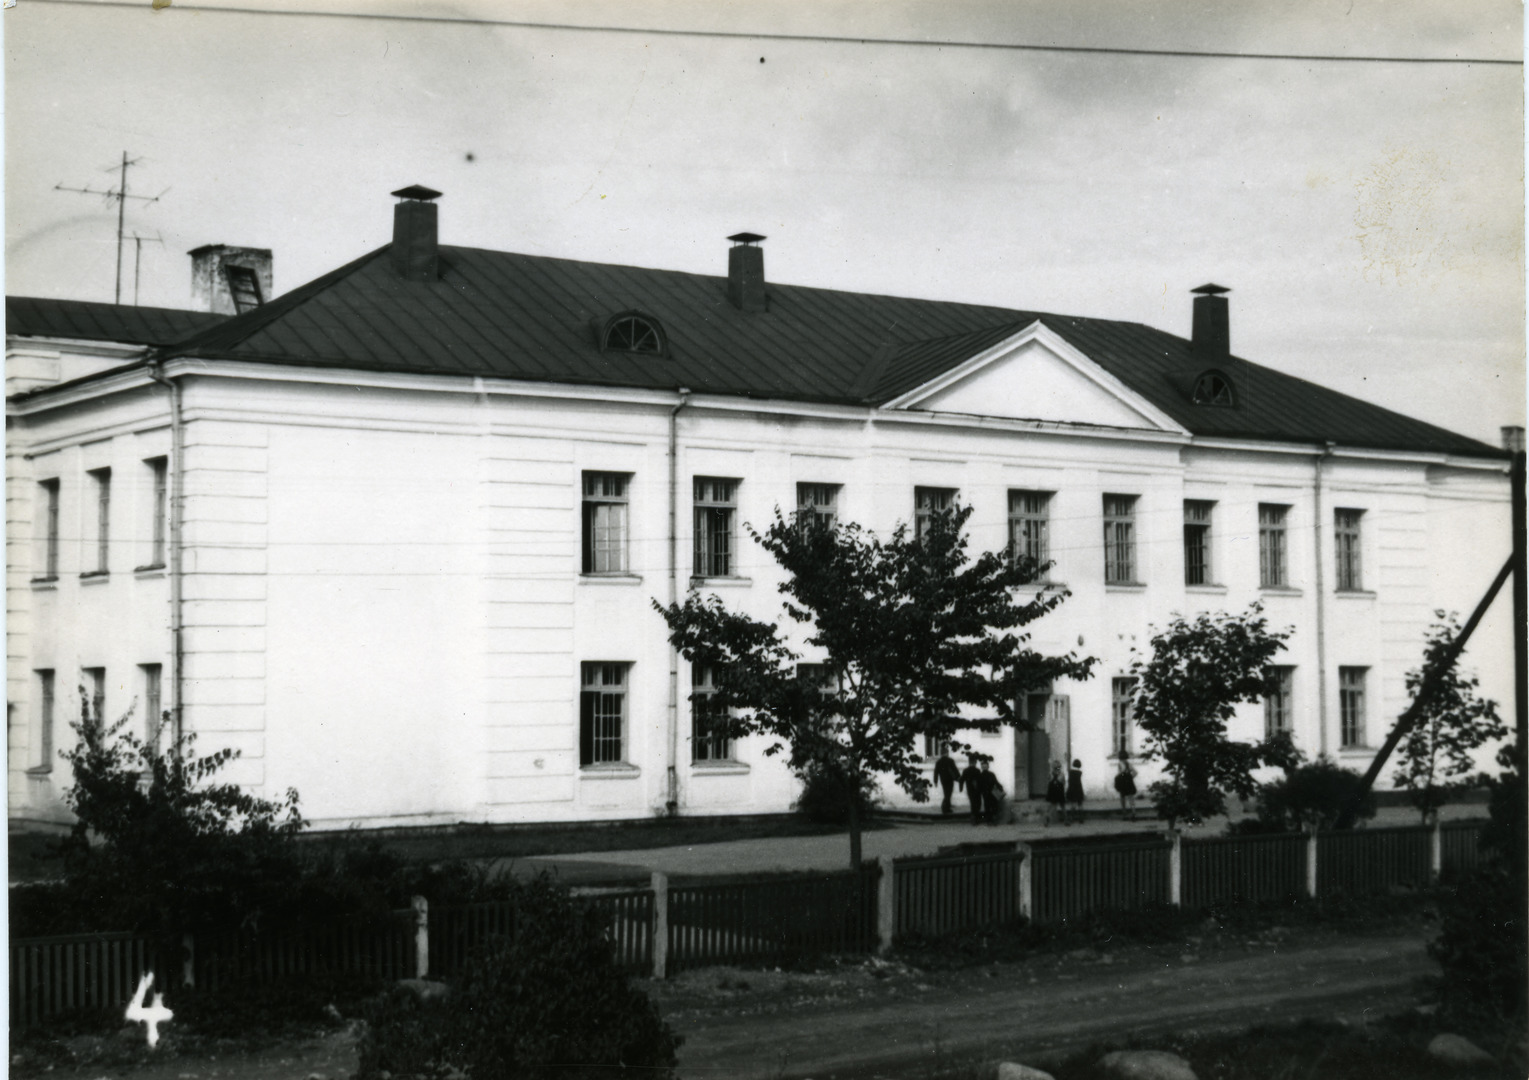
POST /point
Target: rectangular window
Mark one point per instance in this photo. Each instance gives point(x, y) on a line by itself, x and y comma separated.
point(1272, 561)
point(1122, 714)
point(605, 523)
point(1351, 706)
point(153, 708)
point(1277, 703)
point(49, 489)
point(716, 504)
point(1197, 542)
point(159, 503)
point(95, 688)
point(1120, 539)
point(927, 502)
point(817, 505)
point(44, 742)
point(602, 713)
point(101, 479)
point(1030, 526)
point(1346, 534)
point(706, 744)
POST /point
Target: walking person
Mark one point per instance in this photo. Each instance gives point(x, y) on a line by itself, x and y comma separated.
point(1125, 785)
point(971, 780)
point(947, 776)
point(992, 795)
point(1056, 795)
point(1075, 789)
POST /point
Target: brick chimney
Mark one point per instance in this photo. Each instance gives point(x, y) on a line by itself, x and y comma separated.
point(228, 280)
point(1513, 439)
point(745, 272)
point(416, 251)
point(1211, 337)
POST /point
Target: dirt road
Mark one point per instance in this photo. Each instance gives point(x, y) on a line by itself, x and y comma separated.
point(1037, 1010)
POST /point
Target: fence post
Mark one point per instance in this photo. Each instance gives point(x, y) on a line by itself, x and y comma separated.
point(421, 936)
point(1435, 851)
point(1026, 877)
point(1311, 864)
point(660, 925)
point(1176, 870)
point(886, 905)
point(188, 961)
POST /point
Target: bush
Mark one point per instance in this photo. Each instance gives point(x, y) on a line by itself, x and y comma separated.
point(1312, 797)
point(826, 797)
point(547, 1002)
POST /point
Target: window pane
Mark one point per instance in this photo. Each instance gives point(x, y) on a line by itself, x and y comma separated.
point(1029, 526)
point(1119, 539)
point(1351, 705)
point(1197, 542)
point(1277, 705)
point(602, 713)
point(1272, 563)
point(1346, 533)
point(1121, 730)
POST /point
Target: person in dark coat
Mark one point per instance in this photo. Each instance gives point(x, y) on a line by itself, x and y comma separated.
point(947, 776)
point(1056, 795)
point(971, 780)
point(1125, 786)
point(992, 795)
point(1075, 788)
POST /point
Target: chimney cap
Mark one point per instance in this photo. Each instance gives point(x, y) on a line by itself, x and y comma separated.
point(746, 238)
point(1211, 290)
point(417, 191)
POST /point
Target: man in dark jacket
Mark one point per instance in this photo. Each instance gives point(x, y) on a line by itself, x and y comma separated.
point(947, 776)
point(971, 780)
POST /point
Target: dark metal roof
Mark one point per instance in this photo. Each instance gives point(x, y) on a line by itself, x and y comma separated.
point(84, 320)
point(512, 316)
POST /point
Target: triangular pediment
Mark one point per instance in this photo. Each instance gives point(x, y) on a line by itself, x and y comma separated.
point(1036, 375)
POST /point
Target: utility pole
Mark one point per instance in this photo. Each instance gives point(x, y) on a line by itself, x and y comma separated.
point(120, 194)
point(138, 242)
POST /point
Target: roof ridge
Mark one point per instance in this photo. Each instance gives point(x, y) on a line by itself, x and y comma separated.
point(239, 328)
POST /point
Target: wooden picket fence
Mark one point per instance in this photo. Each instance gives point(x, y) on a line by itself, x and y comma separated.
point(769, 920)
point(1070, 881)
point(744, 920)
point(949, 893)
point(1242, 868)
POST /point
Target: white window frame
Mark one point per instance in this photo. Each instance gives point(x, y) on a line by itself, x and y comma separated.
point(95, 686)
point(605, 526)
point(817, 504)
point(48, 533)
point(1279, 706)
point(159, 503)
point(1120, 539)
point(152, 676)
point(1273, 546)
point(1348, 549)
point(1199, 517)
point(47, 710)
point(101, 480)
point(1351, 708)
point(604, 685)
point(1030, 526)
point(929, 501)
point(1122, 715)
point(706, 746)
point(716, 515)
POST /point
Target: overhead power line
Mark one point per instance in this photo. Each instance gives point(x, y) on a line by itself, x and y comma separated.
point(752, 35)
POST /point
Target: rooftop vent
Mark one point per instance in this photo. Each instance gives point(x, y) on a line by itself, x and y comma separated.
point(228, 280)
point(416, 251)
point(745, 272)
point(1211, 337)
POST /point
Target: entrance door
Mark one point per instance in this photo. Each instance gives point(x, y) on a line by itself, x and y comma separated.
point(1059, 730)
point(1038, 749)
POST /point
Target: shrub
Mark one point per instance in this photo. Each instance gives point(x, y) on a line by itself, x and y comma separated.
point(826, 797)
point(1312, 797)
point(548, 1001)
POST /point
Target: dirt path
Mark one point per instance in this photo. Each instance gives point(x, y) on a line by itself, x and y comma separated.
point(1023, 1011)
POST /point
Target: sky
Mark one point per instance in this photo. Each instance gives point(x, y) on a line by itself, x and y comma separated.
point(1368, 216)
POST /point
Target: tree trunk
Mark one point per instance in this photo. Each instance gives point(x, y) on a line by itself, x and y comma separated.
point(854, 834)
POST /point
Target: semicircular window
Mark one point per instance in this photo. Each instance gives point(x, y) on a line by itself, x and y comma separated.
point(1214, 388)
point(634, 334)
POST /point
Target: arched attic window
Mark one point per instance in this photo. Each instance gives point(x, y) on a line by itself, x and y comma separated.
point(1214, 388)
point(633, 332)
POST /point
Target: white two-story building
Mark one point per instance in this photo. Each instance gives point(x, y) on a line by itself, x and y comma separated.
point(395, 535)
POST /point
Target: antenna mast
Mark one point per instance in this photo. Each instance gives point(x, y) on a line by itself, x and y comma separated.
point(120, 194)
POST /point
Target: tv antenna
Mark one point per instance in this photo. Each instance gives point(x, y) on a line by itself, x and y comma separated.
point(120, 194)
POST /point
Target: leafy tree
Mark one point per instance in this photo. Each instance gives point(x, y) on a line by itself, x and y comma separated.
point(160, 845)
point(1187, 691)
point(1313, 796)
point(913, 632)
point(1434, 759)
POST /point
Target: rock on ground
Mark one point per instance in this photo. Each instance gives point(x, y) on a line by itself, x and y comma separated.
point(1008, 1070)
point(1458, 1051)
point(1145, 1065)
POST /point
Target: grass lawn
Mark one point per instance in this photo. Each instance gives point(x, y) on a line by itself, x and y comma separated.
point(29, 851)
